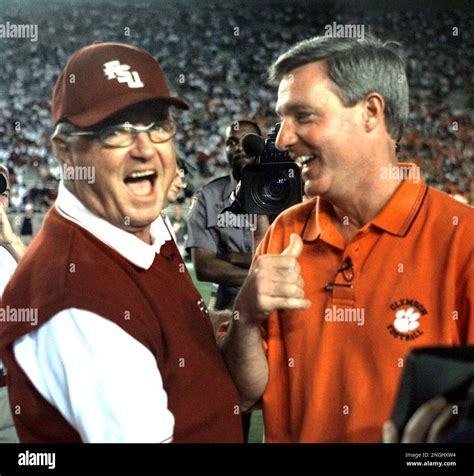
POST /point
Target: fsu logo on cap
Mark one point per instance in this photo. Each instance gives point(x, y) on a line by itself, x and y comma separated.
point(122, 73)
point(406, 325)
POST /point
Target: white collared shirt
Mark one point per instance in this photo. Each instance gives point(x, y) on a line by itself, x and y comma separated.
point(108, 395)
point(7, 267)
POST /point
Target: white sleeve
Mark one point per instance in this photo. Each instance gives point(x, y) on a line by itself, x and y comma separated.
point(104, 382)
point(7, 268)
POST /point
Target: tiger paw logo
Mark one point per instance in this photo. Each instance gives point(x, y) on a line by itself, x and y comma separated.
point(407, 321)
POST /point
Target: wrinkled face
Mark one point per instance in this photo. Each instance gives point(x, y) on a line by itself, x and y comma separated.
point(130, 183)
point(177, 185)
point(318, 131)
point(233, 146)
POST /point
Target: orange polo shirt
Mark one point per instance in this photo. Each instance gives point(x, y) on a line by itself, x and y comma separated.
point(335, 367)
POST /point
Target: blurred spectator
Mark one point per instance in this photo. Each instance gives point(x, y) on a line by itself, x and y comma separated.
point(27, 224)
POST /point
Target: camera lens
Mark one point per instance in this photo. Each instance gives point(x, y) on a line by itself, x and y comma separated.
point(272, 191)
point(270, 188)
point(276, 188)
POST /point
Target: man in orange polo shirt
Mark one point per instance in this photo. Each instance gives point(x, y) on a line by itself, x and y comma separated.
point(375, 264)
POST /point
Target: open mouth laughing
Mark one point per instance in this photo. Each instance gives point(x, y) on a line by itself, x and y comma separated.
point(141, 182)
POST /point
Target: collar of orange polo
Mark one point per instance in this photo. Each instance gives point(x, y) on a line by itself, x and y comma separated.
point(104, 78)
point(395, 217)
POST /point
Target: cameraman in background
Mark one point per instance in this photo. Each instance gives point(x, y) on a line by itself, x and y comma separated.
point(11, 250)
point(222, 253)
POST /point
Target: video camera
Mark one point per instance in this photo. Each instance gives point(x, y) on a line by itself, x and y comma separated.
point(272, 182)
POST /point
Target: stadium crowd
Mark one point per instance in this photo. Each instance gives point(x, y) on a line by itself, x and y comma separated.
point(216, 54)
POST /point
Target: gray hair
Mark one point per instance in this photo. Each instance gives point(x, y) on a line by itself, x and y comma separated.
point(357, 68)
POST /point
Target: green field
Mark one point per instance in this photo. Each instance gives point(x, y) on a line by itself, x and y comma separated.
point(256, 426)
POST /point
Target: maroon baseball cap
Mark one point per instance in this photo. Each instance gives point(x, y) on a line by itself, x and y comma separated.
point(101, 79)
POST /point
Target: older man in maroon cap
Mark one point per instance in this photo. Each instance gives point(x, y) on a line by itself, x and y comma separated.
point(123, 349)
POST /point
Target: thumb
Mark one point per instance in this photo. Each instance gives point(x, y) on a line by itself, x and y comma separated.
point(295, 247)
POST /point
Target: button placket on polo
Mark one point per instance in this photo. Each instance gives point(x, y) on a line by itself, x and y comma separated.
point(346, 281)
point(343, 291)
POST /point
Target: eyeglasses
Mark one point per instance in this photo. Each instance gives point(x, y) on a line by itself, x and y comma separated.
point(123, 135)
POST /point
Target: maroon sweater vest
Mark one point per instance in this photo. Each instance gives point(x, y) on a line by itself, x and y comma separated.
point(65, 267)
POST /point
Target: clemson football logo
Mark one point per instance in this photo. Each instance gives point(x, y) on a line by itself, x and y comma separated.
point(406, 324)
point(406, 320)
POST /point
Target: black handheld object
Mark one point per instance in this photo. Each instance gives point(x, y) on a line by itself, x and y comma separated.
point(3, 183)
point(253, 145)
point(431, 372)
point(272, 182)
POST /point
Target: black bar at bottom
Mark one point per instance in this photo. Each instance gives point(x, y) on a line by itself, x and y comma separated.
point(140, 458)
